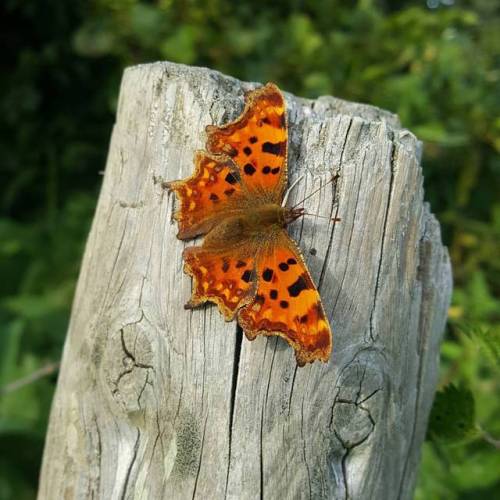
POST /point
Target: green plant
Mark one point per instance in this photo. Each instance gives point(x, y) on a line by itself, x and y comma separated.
point(437, 68)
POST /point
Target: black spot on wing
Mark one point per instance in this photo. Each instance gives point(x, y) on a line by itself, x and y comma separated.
point(249, 169)
point(225, 265)
point(259, 299)
point(229, 192)
point(283, 266)
point(247, 276)
point(214, 197)
point(273, 294)
point(253, 139)
point(295, 288)
point(231, 179)
point(247, 150)
point(240, 263)
point(267, 275)
point(275, 170)
point(274, 148)
point(266, 169)
point(284, 304)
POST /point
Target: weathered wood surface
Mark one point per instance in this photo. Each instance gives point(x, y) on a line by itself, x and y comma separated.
point(154, 401)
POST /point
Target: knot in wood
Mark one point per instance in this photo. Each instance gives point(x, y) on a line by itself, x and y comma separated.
point(129, 371)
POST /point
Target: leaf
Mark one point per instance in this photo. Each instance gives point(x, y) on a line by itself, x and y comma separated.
point(488, 338)
point(452, 418)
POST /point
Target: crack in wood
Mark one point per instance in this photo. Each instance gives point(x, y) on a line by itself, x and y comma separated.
point(291, 389)
point(129, 469)
point(201, 456)
point(264, 404)
point(384, 231)
point(232, 402)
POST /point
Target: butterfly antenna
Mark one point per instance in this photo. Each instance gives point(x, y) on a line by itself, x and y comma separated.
point(334, 178)
point(333, 219)
point(295, 182)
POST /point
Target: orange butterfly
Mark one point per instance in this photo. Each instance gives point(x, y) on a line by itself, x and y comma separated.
point(248, 264)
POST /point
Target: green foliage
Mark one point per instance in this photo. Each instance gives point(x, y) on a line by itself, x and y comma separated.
point(437, 68)
point(489, 340)
point(461, 458)
point(452, 417)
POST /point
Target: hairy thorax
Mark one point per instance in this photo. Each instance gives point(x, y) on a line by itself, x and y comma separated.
point(251, 224)
point(247, 225)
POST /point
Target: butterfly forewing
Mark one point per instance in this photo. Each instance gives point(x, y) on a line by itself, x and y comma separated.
point(211, 193)
point(257, 143)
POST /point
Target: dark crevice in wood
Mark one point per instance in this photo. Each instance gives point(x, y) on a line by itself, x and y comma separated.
point(335, 207)
point(232, 403)
point(304, 450)
point(344, 474)
point(384, 231)
point(341, 287)
point(262, 423)
point(291, 389)
point(348, 450)
point(328, 248)
point(97, 485)
point(201, 456)
point(131, 465)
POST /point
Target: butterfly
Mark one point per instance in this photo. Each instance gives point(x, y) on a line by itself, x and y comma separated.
point(248, 264)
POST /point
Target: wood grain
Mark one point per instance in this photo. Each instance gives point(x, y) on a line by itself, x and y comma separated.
point(156, 402)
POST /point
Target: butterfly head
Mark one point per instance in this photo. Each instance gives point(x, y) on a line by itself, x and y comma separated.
point(291, 214)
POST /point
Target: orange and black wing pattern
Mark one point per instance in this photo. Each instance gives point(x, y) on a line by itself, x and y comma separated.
point(257, 275)
point(213, 192)
point(257, 143)
point(225, 278)
point(287, 303)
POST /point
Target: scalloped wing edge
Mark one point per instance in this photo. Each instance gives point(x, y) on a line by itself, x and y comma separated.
point(198, 300)
point(302, 355)
point(174, 186)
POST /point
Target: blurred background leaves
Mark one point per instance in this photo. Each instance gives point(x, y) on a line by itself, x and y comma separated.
point(436, 63)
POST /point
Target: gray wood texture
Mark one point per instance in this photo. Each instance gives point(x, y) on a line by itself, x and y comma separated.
point(156, 402)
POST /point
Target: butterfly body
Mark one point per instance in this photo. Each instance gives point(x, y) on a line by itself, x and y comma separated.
point(247, 264)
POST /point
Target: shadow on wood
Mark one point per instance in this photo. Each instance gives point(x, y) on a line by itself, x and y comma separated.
point(154, 401)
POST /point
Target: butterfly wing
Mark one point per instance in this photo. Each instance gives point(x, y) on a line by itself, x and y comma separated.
point(257, 143)
point(224, 277)
point(214, 190)
point(287, 303)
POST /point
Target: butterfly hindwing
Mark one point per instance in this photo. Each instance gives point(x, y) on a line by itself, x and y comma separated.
point(257, 142)
point(227, 279)
point(287, 303)
point(214, 190)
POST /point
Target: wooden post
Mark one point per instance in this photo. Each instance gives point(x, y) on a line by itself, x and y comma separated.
point(156, 402)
